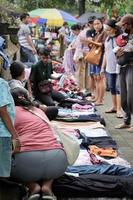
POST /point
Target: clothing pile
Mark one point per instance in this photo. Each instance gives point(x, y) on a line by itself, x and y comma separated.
point(100, 171)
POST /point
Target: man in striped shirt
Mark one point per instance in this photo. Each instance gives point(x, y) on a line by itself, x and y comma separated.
point(27, 48)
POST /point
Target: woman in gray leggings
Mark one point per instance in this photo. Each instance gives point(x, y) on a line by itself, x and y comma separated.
point(41, 157)
point(126, 74)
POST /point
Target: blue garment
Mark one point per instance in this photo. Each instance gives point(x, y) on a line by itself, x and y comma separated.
point(5, 156)
point(3, 54)
point(5, 60)
point(27, 57)
point(94, 70)
point(101, 169)
point(6, 100)
point(112, 80)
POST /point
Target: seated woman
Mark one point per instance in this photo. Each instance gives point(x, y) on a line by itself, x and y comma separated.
point(17, 70)
point(41, 157)
point(40, 75)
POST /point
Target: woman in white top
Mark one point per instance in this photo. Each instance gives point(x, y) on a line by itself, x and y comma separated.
point(110, 62)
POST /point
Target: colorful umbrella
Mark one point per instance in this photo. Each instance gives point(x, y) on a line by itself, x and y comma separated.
point(54, 17)
point(37, 20)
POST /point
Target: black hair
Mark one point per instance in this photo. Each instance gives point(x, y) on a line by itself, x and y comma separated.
point(113, 24)
point(65, 23)
point(16, 69)
point(76, 27)
point(44, 51)
point(23, 16)
point(21, 97)
point(91, 19)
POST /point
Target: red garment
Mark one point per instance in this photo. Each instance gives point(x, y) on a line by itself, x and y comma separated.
point(33, 132)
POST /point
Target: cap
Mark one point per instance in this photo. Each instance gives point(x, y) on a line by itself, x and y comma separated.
point(111, 23)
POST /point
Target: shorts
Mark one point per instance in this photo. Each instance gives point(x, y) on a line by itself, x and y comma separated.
point(5, 156)
point(94, 70)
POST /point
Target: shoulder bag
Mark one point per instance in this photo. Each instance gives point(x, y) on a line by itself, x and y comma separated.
point(94, 55)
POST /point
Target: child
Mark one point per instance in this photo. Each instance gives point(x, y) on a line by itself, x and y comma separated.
point(122, 42)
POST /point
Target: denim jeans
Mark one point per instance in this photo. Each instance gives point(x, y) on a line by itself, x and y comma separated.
point(5, 156)
point(26, 56)
point(112, 80)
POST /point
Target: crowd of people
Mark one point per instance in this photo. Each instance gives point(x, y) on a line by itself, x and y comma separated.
point(24, 137)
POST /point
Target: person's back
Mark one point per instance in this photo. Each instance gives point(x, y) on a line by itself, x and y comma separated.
point(34, 133)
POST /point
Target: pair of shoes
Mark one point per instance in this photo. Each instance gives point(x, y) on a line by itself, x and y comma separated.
point(130, 130)
point(122, 126)
point(34, 197)
point(48, 196)
point(110, 111)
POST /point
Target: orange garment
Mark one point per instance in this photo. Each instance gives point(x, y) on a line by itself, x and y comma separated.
point(104, 152)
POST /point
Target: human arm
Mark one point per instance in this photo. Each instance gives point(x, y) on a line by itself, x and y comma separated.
point(9, 125)
point(103, 66)
point(29, 40)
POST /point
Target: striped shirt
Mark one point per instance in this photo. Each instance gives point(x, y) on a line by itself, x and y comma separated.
point(23, 32)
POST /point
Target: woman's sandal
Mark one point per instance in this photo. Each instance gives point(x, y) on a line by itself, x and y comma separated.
point(48, 196)
point(119, 115)
point(130, 130)
point(110, 111)
point(34, 197)
point(122, 126)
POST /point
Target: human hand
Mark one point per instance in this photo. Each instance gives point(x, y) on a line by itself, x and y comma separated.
point(120, 52)
point(16, 144)
point(34, 51)
point(43, 107)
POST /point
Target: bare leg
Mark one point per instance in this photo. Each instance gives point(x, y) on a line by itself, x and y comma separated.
point(101, 89)
point(119, 111)
point(47, 187)
point(33, 188)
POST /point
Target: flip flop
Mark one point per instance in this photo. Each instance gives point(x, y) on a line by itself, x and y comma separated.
point(110, 111)
point(98, 104)
point(34, 197)
point(130, 130)
point(48, 196)
point(119, 116)
point(122, 126)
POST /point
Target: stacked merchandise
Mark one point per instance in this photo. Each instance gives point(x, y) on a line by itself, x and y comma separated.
point(100, 172)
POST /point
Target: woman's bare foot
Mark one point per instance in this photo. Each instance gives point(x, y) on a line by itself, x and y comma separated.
point(34, 188)
point(99, 103)
point(47, 187)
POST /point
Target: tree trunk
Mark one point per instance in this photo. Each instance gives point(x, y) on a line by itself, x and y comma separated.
point(81, 7)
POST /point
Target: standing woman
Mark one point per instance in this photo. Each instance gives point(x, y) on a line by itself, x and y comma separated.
point(110, 63)
point(8, 133)
point(98, 40)
point(126, 73)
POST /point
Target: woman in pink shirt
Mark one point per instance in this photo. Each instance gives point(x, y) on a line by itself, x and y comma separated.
point(41, 157)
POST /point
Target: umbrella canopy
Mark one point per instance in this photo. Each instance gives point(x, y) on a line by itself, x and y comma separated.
point(83, 19)
point(54, 17)
point(37, 20)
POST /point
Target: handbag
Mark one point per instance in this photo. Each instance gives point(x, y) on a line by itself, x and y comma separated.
point(45, 86)
point(94, 55)
point(70, 143)
point(125, 59)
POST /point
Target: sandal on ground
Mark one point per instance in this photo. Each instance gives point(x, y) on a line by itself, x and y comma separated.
point(122, 126)
point(34, 197)
point(119, 115)
point(48, 196)
point(110, 111)
point(98, 104)
point(130, 130)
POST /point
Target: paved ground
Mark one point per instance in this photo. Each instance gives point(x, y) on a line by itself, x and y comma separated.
point(122, 137)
